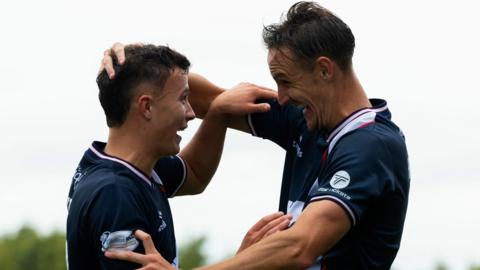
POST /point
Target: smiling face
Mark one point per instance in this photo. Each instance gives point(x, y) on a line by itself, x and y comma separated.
point(170, 112)
point(305, 87)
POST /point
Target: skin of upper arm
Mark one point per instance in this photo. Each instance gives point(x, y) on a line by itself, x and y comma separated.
point(239, 122)
point(203, 93)
point(319, 227)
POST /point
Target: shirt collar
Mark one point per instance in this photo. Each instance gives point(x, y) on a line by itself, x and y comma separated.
point(96, 150)
point(356, 120)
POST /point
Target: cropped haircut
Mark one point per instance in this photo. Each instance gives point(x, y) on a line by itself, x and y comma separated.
point(146, 64)
point(310, 31)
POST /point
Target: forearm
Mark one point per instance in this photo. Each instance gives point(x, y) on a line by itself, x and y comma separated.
point(237, 102)
point(320, 226)
point(202, 155)
point(282, 250)
point(202, 94)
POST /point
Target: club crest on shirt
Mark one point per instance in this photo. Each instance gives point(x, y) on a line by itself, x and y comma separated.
point(340, 180)
point(118, 241)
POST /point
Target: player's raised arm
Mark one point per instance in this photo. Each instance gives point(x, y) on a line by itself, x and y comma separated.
point(202, 93)
point(219, 108)
point(236, 104)
point(227, 109)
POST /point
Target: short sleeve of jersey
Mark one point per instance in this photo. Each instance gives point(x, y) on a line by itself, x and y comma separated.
point(172, 173)
point(359, 171)
point(114, 213)
point(282, 124)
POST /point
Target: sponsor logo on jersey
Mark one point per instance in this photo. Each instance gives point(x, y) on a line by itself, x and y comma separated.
point(118, 241)
point(340, 180)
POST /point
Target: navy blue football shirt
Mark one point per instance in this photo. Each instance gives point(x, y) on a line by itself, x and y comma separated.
point(110, 198)
point(362, 165)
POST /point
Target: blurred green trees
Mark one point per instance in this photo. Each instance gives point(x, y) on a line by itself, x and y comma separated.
point(26, 249)
point(192, 253)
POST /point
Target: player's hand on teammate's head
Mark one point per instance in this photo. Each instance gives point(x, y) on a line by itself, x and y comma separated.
point(152, 259)
point(242, 99)
point(117, 50)
point(265, 227)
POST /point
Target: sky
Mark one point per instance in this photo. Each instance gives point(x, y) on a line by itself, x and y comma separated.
point(421, 56)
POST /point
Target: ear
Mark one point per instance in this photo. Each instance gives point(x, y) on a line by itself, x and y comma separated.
point(144, 103)
point(325, 67)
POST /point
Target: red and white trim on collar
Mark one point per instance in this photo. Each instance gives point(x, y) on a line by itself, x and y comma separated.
point(355, 121)
point(138, 173)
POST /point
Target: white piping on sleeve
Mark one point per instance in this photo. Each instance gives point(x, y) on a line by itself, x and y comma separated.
point(184, 178)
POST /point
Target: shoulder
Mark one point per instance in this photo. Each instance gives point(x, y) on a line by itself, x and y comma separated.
point(367, 151)
point(111, 181)
point(376, 140)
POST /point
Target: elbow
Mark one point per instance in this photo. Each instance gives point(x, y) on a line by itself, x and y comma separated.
point(200, 185)
point(300, 257)
point(199, 189)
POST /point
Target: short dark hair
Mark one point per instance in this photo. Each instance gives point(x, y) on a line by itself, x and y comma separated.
point(310, 31)
point(146, 64)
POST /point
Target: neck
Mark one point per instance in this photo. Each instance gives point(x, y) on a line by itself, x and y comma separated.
point(132, 148)
point(349, 97)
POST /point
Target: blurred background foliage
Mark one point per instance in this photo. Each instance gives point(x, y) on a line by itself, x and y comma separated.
point(27, 249)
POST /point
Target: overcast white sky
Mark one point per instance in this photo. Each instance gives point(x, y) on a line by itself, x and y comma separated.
point(422, 56)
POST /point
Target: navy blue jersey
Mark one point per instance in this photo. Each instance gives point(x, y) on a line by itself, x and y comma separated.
point(362, 165)
point(109, 198)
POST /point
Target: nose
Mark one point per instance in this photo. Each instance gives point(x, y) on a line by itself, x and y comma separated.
point(283, 98)
point(190, 114)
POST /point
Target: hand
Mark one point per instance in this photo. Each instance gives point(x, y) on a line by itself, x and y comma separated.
point(118, 50)
point(152, 260)
point(240, 100)
point(266, 226)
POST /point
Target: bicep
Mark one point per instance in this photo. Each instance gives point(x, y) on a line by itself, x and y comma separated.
point(190, 184)
point(320, 226)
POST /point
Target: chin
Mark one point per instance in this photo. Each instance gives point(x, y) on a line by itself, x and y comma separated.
point(175, 150)
point(171, 151)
